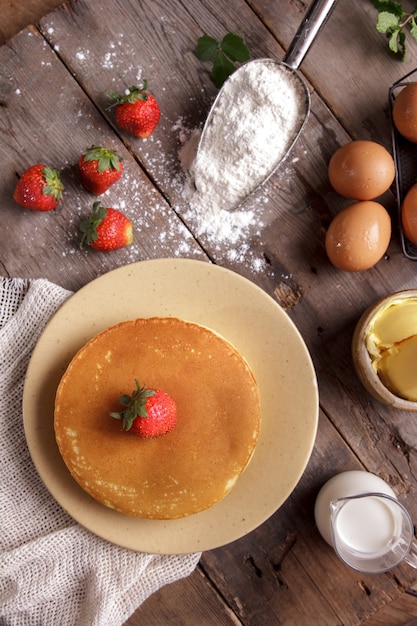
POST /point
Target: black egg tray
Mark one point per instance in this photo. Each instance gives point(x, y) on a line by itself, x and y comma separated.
point(405, 158)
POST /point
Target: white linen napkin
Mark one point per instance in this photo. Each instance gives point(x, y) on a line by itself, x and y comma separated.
point(52, 570)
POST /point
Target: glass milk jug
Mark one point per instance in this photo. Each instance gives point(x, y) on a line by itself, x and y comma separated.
point(358, 514)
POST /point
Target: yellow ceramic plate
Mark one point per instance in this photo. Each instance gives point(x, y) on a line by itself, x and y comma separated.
point(247, 317)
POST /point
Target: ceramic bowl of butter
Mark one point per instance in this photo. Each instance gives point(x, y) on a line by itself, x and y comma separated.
point(384, 350)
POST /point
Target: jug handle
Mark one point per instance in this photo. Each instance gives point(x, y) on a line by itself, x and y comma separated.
point(411, 557)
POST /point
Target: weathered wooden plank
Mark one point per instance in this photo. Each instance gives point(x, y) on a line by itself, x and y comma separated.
point(184, 603)
point(16, 15)
point(45, 117)
point(397, 613)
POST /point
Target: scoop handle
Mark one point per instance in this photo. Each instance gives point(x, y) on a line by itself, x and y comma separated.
point(316, 17)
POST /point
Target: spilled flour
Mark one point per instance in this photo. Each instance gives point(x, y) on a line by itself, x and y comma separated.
point(253, 128)
point(209, 220)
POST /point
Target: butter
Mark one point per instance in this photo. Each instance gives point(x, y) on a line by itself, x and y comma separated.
point(391, 341)
point(397, 369)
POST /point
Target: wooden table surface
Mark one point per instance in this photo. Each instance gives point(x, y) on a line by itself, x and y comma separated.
point(54, 81)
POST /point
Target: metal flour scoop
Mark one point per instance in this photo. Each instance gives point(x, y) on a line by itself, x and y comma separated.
point(255, 120)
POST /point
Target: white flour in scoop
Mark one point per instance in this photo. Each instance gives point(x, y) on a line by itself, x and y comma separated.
point(254, 125)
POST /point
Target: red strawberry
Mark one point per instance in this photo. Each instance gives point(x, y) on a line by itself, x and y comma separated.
point(99, 169)
point(106, 229)
point(137, 111)
point(39, 188)
point(149, 413)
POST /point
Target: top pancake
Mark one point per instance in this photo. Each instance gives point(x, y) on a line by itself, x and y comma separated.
point(184, 471)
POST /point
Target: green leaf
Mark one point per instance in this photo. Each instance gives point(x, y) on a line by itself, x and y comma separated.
point(235, 48)
point(397, 43)
point(388, 6)
point(224, 55)
point(206, 48)
point(222, 68)
point(386, 21)
point(395, 23)
point(413, 26)
point(393, 40)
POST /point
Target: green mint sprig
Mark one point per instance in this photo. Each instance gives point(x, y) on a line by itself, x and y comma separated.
point(225, 55)
point(394, 21)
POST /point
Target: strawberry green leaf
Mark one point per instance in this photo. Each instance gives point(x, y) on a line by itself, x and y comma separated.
point(124, 400)
point(224, 55)
point(106, 158)
point(131, 94)
point(53, 184)
point(235, 48)
point(206, 48)
point(88, 226)
point(135, 406)
point(222, 69)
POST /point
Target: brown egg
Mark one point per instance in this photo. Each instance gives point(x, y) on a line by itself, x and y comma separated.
point(404, 112)
point(361, 170)
point(409, 214)
point(358, 236)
